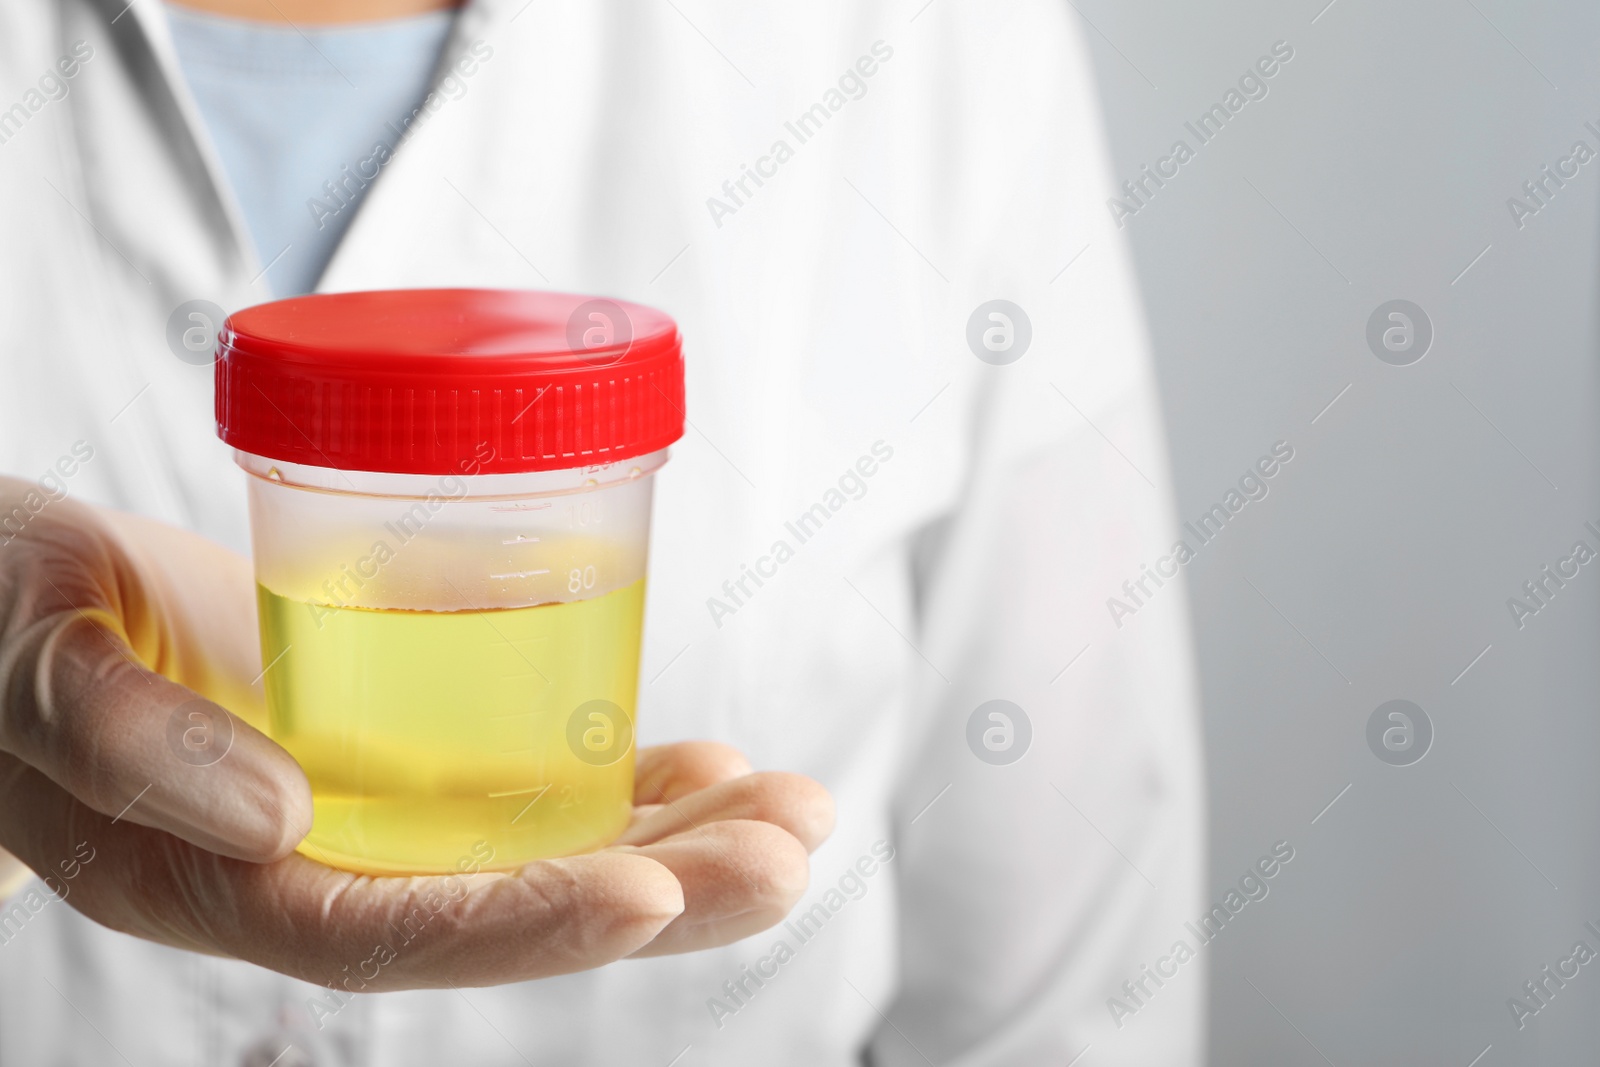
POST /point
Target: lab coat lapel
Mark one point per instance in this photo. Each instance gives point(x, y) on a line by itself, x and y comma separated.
point(150, 177)
point(142, 182)
point(502, 178)
point(580, 157)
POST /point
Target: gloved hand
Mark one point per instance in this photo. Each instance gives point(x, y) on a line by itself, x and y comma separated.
point(109, 624)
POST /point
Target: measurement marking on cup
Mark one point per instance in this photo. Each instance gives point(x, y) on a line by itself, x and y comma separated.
point(530, 803)
point(522, 574)
point(540, 506)
point(521, 539)
point(476, 611)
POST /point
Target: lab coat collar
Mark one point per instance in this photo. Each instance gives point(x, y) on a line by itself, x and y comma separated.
point(474, 20)
point(140, 31)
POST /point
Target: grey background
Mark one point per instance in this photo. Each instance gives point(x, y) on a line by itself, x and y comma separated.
point(1378, 167)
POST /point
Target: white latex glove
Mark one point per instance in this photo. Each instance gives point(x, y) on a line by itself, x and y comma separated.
point(109, 624)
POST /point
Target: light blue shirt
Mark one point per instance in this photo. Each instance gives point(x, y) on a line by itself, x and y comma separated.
point(297, 117)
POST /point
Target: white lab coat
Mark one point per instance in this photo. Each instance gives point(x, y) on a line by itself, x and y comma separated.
point(825, 313)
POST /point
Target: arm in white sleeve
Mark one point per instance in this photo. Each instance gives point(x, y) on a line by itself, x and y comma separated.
point(1035, 894)
point(1031, 892)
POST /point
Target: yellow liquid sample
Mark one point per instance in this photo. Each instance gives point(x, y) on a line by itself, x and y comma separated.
point(427, 733)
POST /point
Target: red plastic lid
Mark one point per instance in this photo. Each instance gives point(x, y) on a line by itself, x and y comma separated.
point(416, 381)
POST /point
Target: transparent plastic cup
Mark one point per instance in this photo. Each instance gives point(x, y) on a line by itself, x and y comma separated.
point(452, 654)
